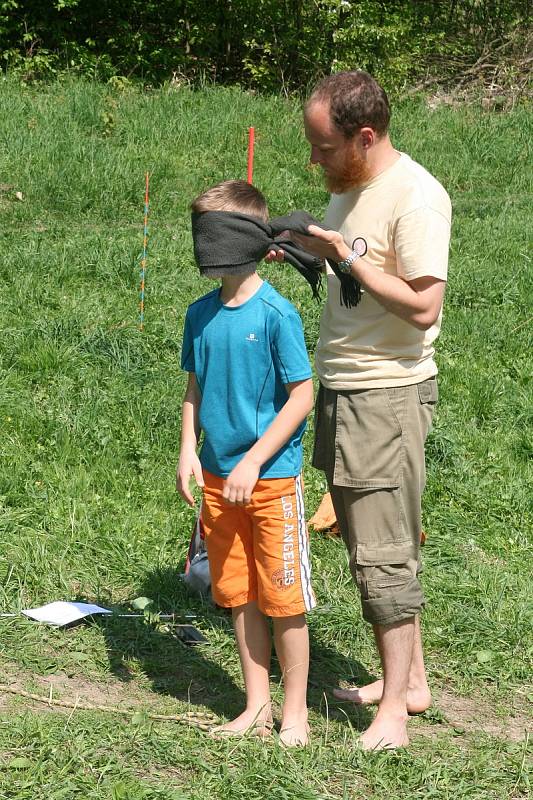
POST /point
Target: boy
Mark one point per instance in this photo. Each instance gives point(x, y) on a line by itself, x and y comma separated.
point(250, 391)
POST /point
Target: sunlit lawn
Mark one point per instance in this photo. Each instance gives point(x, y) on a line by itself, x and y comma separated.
point(89, 408)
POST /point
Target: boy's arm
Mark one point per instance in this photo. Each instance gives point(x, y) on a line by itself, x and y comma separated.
point(239, 484)
point(189, 463)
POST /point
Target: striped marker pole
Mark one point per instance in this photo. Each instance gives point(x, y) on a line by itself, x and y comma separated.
point(251, 142)
point(143, 260)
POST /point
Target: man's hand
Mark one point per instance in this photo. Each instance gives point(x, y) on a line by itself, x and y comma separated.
point(320, 243)
point(323, 244)
point(189, 464)
point(240, 483)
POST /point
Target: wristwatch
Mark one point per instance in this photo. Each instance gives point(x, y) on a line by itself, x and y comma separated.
point(359, 248)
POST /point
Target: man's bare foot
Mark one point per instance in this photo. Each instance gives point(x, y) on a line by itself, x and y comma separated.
point(258, 723)
point(418, 699)
point(387, 732)
point(294, 730)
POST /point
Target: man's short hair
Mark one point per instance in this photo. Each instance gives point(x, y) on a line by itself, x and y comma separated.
point(356, 100)
point(232, 196)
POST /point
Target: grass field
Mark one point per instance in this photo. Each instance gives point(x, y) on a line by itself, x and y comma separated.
point(89, 408)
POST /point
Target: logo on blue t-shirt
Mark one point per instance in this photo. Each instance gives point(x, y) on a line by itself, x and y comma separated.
point(252, 338)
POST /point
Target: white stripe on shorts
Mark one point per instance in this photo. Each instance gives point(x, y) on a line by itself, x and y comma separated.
point(303, 549)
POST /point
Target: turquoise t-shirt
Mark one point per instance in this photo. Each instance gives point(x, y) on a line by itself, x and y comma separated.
point(242, 356)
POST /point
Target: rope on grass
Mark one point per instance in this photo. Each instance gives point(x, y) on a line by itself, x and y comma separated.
point(196, 719)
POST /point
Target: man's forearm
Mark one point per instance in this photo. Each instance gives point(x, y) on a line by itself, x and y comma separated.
point(418, 302)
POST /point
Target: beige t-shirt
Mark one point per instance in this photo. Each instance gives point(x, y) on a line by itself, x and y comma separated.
point(404, 214)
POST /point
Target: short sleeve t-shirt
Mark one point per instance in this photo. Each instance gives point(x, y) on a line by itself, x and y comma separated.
point(242, 357)
point(404, 215)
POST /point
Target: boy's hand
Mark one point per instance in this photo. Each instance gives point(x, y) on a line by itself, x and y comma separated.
point(275, 255)
point(189, 464)
point(240, 483)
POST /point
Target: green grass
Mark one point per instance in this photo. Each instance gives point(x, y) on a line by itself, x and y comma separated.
point(89, 408)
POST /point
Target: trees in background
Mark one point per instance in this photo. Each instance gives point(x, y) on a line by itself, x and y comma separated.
point(269, 45)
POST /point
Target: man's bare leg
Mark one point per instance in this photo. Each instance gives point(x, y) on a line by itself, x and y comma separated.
point(418, 694)
point(389, 728)
point(291, 640)
point(253, 641)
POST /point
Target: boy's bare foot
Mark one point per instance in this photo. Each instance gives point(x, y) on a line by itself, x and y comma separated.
point(248, 723)
point(387, 732)
point(418, 699)
point(294, 730)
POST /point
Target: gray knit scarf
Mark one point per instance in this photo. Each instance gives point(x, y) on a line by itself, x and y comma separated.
point(235, 242)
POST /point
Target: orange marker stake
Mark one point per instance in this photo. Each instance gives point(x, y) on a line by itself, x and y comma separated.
point(251, 141)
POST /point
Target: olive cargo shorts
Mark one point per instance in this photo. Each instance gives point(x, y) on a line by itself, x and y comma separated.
point(370, 444)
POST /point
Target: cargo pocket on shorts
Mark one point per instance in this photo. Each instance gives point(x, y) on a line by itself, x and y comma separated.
point(390, 554)
point(428, 391)
point(368, 441)
point(428, 396)
point(387, 581)
point(385, 571)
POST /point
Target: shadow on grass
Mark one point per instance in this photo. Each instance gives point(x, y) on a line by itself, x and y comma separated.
point(191, 674)
point(195, 674)
point(327, 668)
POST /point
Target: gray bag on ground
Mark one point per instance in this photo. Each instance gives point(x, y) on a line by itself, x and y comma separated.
point(197, 575)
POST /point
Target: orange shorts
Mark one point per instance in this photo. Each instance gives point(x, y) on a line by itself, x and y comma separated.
point(259, 551)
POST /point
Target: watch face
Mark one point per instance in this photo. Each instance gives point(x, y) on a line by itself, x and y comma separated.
point(359, 245)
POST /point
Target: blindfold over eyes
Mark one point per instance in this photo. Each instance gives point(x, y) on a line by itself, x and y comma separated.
point(227, 240)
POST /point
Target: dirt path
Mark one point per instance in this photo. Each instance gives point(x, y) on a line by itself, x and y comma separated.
point(466, 715)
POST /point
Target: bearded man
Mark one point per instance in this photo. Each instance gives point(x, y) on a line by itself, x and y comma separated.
point(389, 223)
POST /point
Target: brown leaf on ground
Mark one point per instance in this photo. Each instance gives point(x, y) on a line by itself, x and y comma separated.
point(324, 518)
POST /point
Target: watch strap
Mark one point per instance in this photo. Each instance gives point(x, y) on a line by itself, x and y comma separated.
point(346, 264)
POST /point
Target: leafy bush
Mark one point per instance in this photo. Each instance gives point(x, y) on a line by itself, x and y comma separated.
point(270, 45)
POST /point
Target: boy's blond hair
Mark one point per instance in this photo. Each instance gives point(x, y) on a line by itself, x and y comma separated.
point(232, 196)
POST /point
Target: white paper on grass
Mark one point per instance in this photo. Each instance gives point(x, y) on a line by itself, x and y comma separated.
point(62, 612)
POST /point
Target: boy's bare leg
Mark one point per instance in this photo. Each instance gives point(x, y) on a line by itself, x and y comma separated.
point(418, 694)
point(291, 640)
point(389, 728)
point(254, 643)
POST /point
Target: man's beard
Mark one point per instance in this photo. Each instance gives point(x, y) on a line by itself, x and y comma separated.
point(354, 173)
